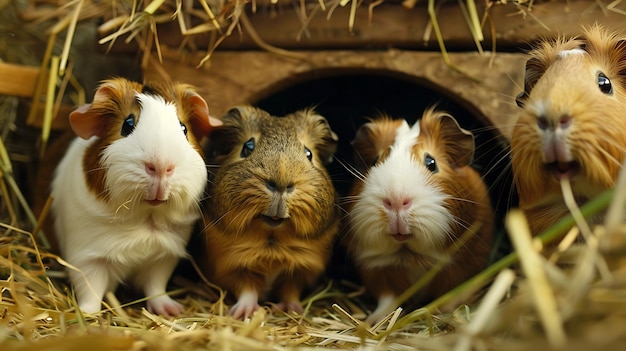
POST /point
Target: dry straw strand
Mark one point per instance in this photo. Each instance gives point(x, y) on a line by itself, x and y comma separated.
point(49, 104)
point(542, 293)
point(485, 310)
point(70, 35)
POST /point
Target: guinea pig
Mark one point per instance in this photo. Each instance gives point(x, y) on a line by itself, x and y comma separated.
point(571, 123)
point(415, 197)
point(271, 217)
point(127, 191)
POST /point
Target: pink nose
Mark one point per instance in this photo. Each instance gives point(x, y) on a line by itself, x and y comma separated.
point(563, 123)
point(159, 171)
point(397, 204)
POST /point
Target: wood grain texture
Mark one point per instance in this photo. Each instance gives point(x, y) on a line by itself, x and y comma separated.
point(391, 25)
point(235, 77)
point(18, 80)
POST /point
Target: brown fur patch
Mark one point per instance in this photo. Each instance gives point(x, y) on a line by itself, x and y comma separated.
point(242, 251)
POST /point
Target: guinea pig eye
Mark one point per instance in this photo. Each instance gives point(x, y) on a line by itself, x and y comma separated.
point(430, 163)
point(183, 127)
point(604, 83)
point(247, 148)
point(128, 126)
point(308, 153)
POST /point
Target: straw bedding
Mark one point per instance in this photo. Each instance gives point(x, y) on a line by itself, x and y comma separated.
point(575, 299)
point(543, 306)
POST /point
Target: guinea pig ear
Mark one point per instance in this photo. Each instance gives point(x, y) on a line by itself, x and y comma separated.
point(620, 48)
point(318, 128)
point(87, 120)
point(534, 70)
point(200, 120)
point(224, 138)
point(365, 152)
point(363, 141)
point(373, 138)
point(459, 141)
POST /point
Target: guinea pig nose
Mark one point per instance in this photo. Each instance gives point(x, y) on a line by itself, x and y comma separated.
point(290, 187)
point(273, 186)
point(155, 170)
point(565, 121)
point(543, 123)
point(397, 204)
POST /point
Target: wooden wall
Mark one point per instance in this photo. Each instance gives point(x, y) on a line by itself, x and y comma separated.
point(486, 87)
point(390, 40)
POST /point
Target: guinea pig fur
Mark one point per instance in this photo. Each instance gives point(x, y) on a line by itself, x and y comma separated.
point(128, 189)
point(571, 123)
point(271, 218)
point(416, 197)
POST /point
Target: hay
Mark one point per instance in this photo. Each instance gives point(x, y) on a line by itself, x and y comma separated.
point(551, 306)
point(574, 299)
point(138, 22)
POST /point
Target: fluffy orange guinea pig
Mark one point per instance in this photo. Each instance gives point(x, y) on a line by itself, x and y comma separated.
point(572, 123)
point(272, 218)
point(417, 196)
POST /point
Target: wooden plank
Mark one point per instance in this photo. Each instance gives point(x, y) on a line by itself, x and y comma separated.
point(60, 122)
point(18, 80)
point(395, 26)
point(235, 77)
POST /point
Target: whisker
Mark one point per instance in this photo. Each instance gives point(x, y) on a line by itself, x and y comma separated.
point(96, 169)
point(347, 200)
point(461, 199)
point(351, 169)
point(610, 157)
point(214, 222)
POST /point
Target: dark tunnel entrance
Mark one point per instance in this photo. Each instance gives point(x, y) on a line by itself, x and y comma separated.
point(347, 99)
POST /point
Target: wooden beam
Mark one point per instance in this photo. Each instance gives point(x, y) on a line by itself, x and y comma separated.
point(235, 77)
point(60, 122)
point(18, 80)
point(393, 26)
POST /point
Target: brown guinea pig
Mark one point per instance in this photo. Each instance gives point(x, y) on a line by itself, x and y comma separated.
point(271, 218)
point(417, 196)
point(571, 125)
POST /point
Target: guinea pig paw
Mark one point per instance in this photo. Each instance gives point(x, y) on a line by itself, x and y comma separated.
point(244, 309)
point(290, 306)
point(91, 306)
point(165, 306)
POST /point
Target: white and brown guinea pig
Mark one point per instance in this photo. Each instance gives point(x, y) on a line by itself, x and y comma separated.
point(572, 123)
point(128, 190)
point(272, 217)
point(416, 196)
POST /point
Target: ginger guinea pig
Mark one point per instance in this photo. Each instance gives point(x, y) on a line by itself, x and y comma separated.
point(416, 197)
point(128, 189)
point(271, 217)
point(571, 125)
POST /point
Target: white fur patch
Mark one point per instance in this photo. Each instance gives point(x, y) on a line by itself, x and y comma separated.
point(566, 53)
point(400, 175)
point(157, 139)
point(384, 307)
point(112, 241)
point(246, 305)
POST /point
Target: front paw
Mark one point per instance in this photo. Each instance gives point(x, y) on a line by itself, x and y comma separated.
point(165, 306)
point(91, 305)
point(246, 305)
point(386, 305)
point(290, 306)
point(243, 311)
